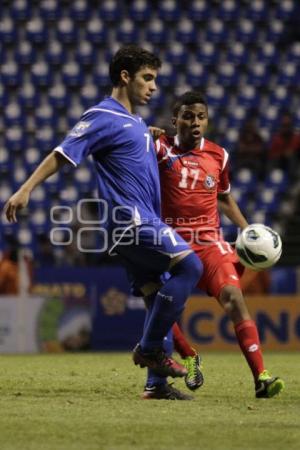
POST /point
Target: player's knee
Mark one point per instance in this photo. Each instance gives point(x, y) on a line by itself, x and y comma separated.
point(191, 266)
point(233, 301)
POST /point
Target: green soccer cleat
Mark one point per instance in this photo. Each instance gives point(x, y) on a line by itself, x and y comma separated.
point(267, 386)
point(194, 378)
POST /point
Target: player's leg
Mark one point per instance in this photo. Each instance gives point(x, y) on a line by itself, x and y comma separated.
point(170, 299)
point(185, 270)
point(157, 387)
point(221, 279)
point(232, 300)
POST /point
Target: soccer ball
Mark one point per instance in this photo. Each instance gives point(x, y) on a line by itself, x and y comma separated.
point(258, 246)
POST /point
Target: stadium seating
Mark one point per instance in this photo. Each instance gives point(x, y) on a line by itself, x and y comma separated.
point(54, 56)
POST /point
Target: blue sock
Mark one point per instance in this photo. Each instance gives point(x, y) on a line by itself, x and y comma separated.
point(152, 378)
point(170, 300)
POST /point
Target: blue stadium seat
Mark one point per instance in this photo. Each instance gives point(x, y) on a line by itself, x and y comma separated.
point(75, 110)
point(245, 180)
point(228, 10)
point(51, 10)
point(45, 138)
point(279, 97)
point(289, 75)
point(207, 54)
point(156, 32)
point(237, 53)
point(20, 174)
point(58, 96)
point(267, 53)
point(198, 10)
point(167, 76)
point(13, 115)
point(140, 10)
point(110, 11)
point(285, 9)
point(236, 117)
point(216, 31)
point(15, 138)
point(28, 96)
point(169, 11)
point(247, 97)
point(101, 76)
point(96, 32)
point(245, 31)
point(85, 53)
point(66, 31)
point(268, 200)
point(177, 54)
point(55, 53)
point(227, 75)
point(8, 30)
point(158, 99)
point(196, 75)
point(127, 33)
point(277, 180)
point(25, 237)
point(186, 32)
point(25, 54)
point(258, 74)
point(257, 11)
point(36, 31)
point(269, 118)
point(216, 96)
point(32, 158)
point(45, 116)
point(80, 10)
point(41, 75)
point(274, 30)
point(21, 10)
point(72, 74)
point(293, 53)
point(10, 74)
point(89, 95)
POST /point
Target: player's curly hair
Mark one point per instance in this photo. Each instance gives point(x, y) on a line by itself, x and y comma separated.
point(188, 98)
point(131, 58)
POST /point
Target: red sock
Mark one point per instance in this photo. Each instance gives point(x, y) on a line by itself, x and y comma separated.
point(247, 336)
point(180, 343)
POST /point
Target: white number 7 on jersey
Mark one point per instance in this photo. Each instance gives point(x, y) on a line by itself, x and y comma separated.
point(147, 136)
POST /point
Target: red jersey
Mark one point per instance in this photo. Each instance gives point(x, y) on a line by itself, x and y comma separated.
point(190, 184)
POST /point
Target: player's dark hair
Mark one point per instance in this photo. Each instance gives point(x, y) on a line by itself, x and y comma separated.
point(188, 98)
point(132, 59)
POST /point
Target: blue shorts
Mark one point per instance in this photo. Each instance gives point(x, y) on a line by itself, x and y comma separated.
point(147, 250)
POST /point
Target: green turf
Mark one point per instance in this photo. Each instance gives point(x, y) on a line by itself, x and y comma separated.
point(87, 402)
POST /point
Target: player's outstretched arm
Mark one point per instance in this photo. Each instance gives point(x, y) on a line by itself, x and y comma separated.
point(156, 132)
point(51, 164)
point(230, 208)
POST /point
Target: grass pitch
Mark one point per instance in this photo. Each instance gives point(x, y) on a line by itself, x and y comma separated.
point(91, 401)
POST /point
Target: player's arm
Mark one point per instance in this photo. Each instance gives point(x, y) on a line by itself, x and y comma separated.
point(51, 164)
point(230, 208)
point(156, 132)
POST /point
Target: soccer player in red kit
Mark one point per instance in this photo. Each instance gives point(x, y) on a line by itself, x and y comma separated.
point(194, 182)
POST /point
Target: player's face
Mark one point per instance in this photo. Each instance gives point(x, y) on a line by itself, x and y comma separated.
point(141, 87)
point(191, 124)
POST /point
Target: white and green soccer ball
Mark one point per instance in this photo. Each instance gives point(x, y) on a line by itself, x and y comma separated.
point(258, 246)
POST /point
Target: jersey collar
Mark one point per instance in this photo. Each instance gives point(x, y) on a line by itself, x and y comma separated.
point(176, 142)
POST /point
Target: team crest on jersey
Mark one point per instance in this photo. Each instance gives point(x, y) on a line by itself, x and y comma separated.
point(80, 128)
point(209, 182)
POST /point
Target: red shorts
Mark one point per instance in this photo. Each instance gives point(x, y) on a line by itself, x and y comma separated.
point(221, 266)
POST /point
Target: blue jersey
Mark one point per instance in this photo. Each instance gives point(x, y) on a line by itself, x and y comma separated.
point(124, 158)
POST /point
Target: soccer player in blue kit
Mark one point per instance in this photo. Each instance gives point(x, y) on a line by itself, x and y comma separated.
point(124, 158)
